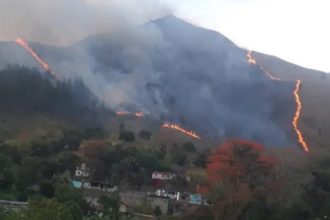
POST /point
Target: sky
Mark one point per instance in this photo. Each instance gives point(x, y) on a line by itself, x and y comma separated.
point(295, 30)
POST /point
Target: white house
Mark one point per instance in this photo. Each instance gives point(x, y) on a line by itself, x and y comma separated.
point(162, 176)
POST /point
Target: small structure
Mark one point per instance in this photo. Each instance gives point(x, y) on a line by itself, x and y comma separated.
point(160, 179)
point(197, 199)
point(82, 171)
point(13, 205)
point(162, 176)
point(123, 208)
point(163, 193)
point(80, 184)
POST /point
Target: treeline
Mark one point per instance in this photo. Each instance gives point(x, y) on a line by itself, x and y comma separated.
point(131, 167)
point(39, 171)
point(24, 90)
point(244, 181)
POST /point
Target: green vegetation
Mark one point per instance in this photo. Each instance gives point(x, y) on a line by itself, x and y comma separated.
point(25, 91)
point(241, 180)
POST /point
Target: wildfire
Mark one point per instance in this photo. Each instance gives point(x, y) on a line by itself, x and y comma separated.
point(252, 61)
point(178, 128)
point(137, 114)
point(297, 116)
point(27, 47)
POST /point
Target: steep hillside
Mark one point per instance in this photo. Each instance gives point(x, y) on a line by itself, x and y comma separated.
point(315, 121)
point(30, 102)
point(177, 72)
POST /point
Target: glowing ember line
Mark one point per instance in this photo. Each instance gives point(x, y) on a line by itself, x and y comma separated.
point(29, 49)
point(252, 61)
point(137, 114)
point(297, 116)
point(178, 128)
point(269, 74)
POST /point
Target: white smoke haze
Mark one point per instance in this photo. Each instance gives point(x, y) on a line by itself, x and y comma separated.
point(169, 69)
point(62, 22)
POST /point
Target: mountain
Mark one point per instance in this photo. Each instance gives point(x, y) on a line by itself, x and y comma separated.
point(30, 101)
point(177, 72)
point(315, 97)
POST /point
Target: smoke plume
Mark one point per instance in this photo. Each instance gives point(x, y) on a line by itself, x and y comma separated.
point(171, 71)
point(60, 22)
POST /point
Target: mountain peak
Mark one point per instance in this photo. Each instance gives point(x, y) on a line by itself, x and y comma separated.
point(171, 20)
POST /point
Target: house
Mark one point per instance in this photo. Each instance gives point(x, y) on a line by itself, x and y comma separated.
point(99, 186)
point(82, 171)
point(160, 179)
point(165, 194)
point(197, 199)
point(162, 176)
point(123, 208)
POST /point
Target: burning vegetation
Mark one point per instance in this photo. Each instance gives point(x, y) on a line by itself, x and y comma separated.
point(182, 130)
point(252, 61)
point(297, 116)
point(297, 98)
point(137, 114)
point(43, 63)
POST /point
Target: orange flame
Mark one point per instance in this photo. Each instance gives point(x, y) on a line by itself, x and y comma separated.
point(27, 47)
point(252, 61)
point(297, 116)
point(137, 114)
point(178, 128)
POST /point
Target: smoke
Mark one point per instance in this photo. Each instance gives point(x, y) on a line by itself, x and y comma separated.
point(61, 22)
point(173, 71)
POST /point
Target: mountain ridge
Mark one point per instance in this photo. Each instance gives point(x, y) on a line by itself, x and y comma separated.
point(151, 68)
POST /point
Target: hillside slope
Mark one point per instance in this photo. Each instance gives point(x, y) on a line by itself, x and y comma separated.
point(177, 72)
point(315, 120)
point(30, 103)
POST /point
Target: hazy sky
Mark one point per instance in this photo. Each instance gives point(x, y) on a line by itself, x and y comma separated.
point(295, 30)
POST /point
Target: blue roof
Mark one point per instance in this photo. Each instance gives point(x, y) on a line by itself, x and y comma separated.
point(76, 184)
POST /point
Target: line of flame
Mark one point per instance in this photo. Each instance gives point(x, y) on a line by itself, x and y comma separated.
point(29, 49)
point(297, 116)
point(252, 61)
point(137, 114)
point(184, 131)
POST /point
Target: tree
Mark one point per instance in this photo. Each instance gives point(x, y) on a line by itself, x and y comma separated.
point(94, 149)
point(146, 135)
point(189, 147)
point(66, 193)
point(75, 210)
point(180, 158)
point(157, 212)
point(12, 215)
point(47, 189)
point(48, 209)
point(28, 173)
point(126, 136)
point(238, 171)
point(111, 205)
point(6, 174)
